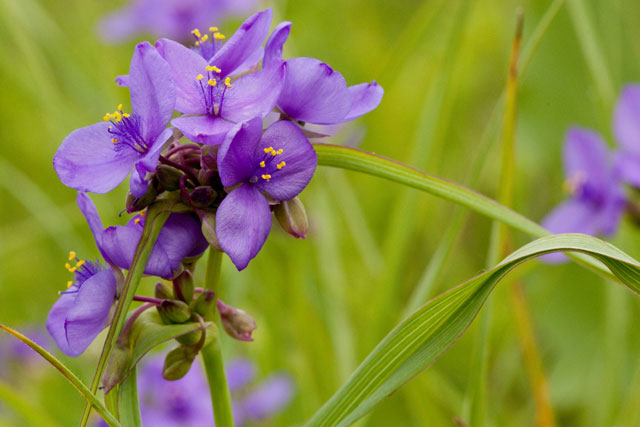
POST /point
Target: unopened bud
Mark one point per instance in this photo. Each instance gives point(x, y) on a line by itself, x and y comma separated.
point(178, 362)
point(292, 217)
point(117, 366)
point(183, 286)
point(208, 228)
point(193, 338)
point(209, 158)
point(168, 177)
point(203, 196)
point(163, 291)
point(134, 204)
point(173, 311)
point(204, 303)
point(237, 323)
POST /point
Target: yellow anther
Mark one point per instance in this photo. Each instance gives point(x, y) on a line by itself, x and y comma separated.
point(72, 255)
point(268, 150)
point(280, 151)
point(213, 29)
point(114, 140)
point(142, 214)
point(197, 43)
point(204, 38)
point(266, 177)
point(107, 117)
point(218, 36)
point(212, 82)
point(80, 263)
point(69, 283)
point(196, 33)
point(136, 221)
point(120, 107)
point(216, 69)
point(67, 266)
point(72, 270)
point(126, 115)
point(227, 82)
point(118, 116)
point(281, 165)
point(199, 77)
point(262, 164)
point(209, 68)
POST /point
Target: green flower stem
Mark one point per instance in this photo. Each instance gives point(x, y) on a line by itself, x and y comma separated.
point(212, 353)
point(157, 214)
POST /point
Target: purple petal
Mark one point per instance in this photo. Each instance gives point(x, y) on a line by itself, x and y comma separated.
point(203, 129)
point(271, 396)
point(243, 222)
point(586, 158)
point(298, 154)
point(365, 97)
point(88, 209)
point(243, 43)
point(251, 64)
point(239, 372)
point(572, 216)
point(314, 93)
point(626, 119)
point(237, 152)
point(185, 66)
point(77, 318)
point(628, 166)
point(87, 160)
point(273, 48)
point(153, 95)
point(253, 95)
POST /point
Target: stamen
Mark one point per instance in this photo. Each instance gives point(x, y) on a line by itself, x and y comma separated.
point(120, 107)
point(281, 164)
point(69, 283)
point(80, 263)
point(196, 32)
point(216, 69)
point(227, 82)
point(213, 29)
point(218, 36)
point(142, 214)
point(212, 82)
point(72, 255)
point(204, 38)
point(262, 164)
point(199, 77)
point(266, 177)
point(114, 140)
point(136, 221)
point(280, 151)
point(107, 117)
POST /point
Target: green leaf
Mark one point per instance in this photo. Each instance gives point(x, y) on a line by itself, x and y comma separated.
point(70, 376)
point(421, 338)
point(128, 401)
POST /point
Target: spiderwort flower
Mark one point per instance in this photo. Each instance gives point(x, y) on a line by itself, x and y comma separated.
point(186, 402)
point(167, 18)
point(99, 157)
point(179, 238)
point(626, 127)
point(597, 197)
point(278, 163)
point(82, 311)
point(212, 102)
point(313, 92)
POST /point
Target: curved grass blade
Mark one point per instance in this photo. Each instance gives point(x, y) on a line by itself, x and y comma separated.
point(128, 402)
point(70, 376)
point(421, 338)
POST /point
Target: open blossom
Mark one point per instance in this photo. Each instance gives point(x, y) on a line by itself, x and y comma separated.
point(82, 311)
point(186, 402)
point(597, 196)
point(313, 92)
point(167, 18)
point(279, 163)
point(99, 157)
point(211, 101)
point(626, 126)
point(179, 238)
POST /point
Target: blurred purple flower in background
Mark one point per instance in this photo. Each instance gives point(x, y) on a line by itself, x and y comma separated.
point(168, 18)
point(186, 402)
point(626, 127)
point(597, 195)
point(16, 355)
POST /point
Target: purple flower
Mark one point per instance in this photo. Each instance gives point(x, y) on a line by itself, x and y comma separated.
point(179, 238)
point(597, 196)
point(626, 127)
point(99, 157)
point(83, 309)
point(205, 93)
point(278, 163)
point(167, 18)
point(313, 92)
point(186, 402)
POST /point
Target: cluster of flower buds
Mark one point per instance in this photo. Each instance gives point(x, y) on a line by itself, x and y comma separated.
point(237, 151)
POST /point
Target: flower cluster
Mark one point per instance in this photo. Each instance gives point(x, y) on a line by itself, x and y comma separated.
point(219, 128)
point(595, 175)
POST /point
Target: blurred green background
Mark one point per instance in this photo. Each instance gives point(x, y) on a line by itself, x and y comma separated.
point(323, 303)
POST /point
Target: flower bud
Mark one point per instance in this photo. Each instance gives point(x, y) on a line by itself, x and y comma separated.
point(178, 362)
point(137, 204)
point(292, 217)
point(117, 366)
point(173, 311)
point(163, 291)
point(193, 338)
point(204, 303)
point(203, 196)
point(209, 158)
point(168, 177)
point(208, 220)
point(183, 286)
point(237, 323)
